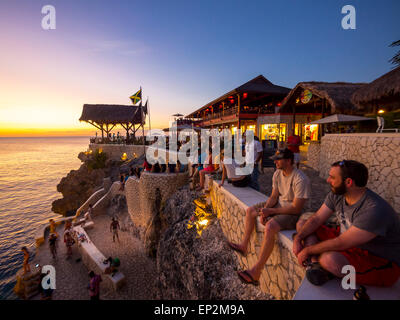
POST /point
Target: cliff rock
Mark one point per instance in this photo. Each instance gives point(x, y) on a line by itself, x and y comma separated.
point(193, 267)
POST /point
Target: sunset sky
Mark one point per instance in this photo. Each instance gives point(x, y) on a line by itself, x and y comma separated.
point(183, 54)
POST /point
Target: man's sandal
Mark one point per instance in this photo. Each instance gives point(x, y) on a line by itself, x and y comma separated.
point(246, 278)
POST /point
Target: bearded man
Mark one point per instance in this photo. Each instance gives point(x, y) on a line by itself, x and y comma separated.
point(368, 237)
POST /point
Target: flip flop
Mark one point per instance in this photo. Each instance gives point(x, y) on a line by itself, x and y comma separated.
point(236, 247)
point(242, 276)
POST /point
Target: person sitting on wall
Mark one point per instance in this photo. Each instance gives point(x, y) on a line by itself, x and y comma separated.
point(199, 166)
point(290, 192)
point(180, 168)
point(146, 165)
point(229, 167)
point(208, 168)
point(258, 152)
point(368, 237)
point(156, 168)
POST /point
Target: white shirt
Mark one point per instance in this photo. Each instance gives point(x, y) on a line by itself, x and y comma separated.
point(230, 166)
point(256, 147)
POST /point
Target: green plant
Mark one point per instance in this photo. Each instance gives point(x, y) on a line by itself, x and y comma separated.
point(97, 161)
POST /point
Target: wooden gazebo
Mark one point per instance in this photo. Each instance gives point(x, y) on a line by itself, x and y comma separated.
point(106, 116)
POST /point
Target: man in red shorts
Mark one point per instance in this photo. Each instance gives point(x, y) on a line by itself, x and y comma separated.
point(368, 237)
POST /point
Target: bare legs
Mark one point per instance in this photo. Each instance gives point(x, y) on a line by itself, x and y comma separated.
point(271, 229)
point(331, 261)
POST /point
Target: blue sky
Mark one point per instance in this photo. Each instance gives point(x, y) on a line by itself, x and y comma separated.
point(183, 53)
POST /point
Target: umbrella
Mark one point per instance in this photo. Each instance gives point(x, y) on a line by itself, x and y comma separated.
point(340, 118)
point(182, 127)
point(177, 115)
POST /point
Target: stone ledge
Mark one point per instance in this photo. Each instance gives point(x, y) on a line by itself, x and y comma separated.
point(333, 290)
point(248, 197)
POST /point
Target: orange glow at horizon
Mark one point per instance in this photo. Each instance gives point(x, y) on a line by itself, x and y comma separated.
point(82, 129)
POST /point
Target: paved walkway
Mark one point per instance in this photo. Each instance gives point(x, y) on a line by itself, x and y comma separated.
point(72, 275)
point(140, 271)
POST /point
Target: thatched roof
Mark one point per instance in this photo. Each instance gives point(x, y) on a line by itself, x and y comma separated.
point(111, 113)
point(338, 94)
point(257, 85)
point(383, 88)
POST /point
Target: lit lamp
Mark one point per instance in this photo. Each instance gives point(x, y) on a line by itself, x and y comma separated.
point(381, 111)
point(124, 156)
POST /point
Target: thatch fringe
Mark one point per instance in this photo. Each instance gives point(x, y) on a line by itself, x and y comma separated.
point(338, 94)
point(111, 113)
point(385, 87)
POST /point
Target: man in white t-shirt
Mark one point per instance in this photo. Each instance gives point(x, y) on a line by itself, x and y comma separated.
point(290, 191)
point(258, 152)
point(229, 171)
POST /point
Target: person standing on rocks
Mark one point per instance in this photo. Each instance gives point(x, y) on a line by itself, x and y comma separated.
point(53, 245)
point(69, 242)
point(27, 268)
point(114, 226)
point(94, 286)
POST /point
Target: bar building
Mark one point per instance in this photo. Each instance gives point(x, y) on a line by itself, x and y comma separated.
point(310, 101)
point(240, 108)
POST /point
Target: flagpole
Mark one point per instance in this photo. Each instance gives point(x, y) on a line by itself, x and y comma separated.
point(143, 120)
point(148, 111)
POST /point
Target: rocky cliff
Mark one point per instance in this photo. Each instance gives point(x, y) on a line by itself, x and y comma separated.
point(196, 267)
point(80, 184)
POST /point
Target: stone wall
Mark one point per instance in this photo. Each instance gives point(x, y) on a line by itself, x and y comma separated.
point(115, 151)
point(313, 154)
point(141, 194)
point(282, 275)
point(378, 151)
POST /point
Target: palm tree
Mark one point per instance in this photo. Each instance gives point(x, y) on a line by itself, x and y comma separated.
point(396, 59)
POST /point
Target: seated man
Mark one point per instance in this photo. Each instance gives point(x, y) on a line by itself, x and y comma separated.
point(368, 237)
point(229, 170)
point(290, 191)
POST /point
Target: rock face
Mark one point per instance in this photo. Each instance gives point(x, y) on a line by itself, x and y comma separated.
point(80, 184)
point(192, 267)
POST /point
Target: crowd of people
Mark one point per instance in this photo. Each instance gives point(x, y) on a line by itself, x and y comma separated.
point(354, 225)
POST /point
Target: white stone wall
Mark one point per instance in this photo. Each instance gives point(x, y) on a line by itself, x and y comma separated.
point(140, 194)
point(115, 151)
point(282, 275)
point(313, 154)
point(378, 151)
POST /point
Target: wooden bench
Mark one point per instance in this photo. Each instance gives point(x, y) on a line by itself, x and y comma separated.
point(94, 260)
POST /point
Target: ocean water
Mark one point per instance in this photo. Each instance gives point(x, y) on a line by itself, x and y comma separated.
point(30, 169)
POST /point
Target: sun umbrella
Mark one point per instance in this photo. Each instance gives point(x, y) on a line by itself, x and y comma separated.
point(340, 118)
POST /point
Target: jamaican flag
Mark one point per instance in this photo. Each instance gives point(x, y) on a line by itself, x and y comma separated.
point(136, 97)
